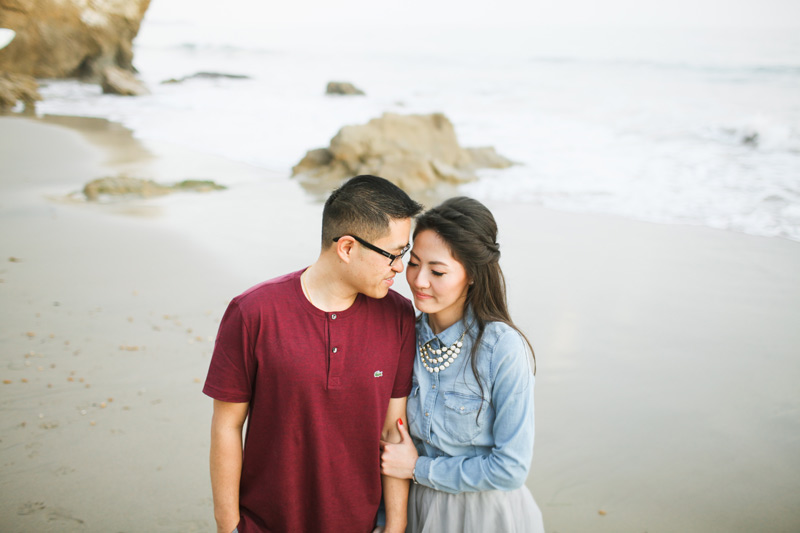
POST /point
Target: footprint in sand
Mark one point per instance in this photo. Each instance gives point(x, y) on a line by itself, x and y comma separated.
point(64, 471)
point(62, 514)
point(30, 508)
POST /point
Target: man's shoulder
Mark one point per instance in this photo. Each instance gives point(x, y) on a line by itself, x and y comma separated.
point(266, 290)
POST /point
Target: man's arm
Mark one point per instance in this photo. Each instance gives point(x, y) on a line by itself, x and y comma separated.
point(226, 462)
point(395, 491)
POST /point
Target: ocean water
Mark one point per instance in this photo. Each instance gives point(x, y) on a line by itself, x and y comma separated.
point(692, 126)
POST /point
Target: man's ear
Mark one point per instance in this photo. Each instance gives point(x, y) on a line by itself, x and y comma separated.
point(344, 248)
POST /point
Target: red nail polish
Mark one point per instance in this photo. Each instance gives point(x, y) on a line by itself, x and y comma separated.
point(400, 421)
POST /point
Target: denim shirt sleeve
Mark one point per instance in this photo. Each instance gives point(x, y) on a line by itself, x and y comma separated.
point(507, 464)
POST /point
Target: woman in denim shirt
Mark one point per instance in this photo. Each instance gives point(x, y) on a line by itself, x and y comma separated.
point(470, 410)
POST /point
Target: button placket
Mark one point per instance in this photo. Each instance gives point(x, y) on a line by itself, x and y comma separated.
point(335, 354)
point(430, 404)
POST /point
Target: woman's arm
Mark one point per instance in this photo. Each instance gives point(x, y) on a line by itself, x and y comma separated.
point(395, 489)
point(508, 464)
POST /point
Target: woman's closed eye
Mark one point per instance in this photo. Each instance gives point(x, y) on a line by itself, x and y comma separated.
point(412, 264)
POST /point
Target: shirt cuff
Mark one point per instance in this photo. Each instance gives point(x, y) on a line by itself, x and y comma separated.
point(422, 471)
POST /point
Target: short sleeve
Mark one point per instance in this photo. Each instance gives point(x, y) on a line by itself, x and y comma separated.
point(408, 350)
point(232, 369)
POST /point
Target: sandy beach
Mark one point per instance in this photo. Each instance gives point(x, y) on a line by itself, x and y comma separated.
point(667, 395)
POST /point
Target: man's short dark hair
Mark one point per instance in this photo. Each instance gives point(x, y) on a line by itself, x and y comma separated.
point(364, 206)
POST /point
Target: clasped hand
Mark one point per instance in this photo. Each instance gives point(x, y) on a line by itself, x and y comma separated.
point(398, 459)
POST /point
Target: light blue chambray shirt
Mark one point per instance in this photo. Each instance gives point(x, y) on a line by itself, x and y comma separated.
point(460, 450)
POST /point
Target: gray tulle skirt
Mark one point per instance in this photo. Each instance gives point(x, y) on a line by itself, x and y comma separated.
point(433, 511)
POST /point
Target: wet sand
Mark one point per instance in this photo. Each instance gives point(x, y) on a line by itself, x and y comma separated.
point(667, 355)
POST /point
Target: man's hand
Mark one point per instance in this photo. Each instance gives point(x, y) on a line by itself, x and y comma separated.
point(398, 460)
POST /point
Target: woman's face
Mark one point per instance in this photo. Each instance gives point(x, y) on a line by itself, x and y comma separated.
point(438, 281)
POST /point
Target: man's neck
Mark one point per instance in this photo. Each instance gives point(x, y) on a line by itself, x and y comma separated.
point(326, 289)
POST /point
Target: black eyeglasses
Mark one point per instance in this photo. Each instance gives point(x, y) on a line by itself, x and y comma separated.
point(374, 248)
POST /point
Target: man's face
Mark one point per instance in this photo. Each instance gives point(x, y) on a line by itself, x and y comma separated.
point(372, 274)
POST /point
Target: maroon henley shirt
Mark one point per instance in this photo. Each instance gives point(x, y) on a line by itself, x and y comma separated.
point(319, 386)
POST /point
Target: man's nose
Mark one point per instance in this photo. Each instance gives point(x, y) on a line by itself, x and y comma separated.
point(398, 266)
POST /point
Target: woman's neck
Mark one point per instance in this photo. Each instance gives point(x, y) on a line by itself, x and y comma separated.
point(443, 320)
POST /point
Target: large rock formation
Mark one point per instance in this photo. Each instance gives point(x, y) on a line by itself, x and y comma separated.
point(17, 87)
point(417, 152)
point(70, 38)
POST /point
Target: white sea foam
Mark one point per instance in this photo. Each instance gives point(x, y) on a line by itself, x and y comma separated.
point(695, 128)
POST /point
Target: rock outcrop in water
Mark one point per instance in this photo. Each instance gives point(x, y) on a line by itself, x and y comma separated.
point(70, 38)
point(127, 187)
point(344, 88)
point(208, 76)
point(416, 152)
point(122, 82)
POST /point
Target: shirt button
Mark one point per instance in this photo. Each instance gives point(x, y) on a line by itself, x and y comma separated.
point(333, 316)
point(427, 414)
point(337, 349)
point(428, 441)
point(433, 386)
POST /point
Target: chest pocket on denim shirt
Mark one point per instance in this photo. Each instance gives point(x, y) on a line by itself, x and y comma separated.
point(461, 419)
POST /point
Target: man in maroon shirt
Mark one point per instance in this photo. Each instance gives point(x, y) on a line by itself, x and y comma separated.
point(319, 362)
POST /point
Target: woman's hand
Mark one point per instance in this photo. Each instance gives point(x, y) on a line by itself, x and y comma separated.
point(398, 460)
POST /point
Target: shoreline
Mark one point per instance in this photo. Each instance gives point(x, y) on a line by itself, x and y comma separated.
point(667, 368)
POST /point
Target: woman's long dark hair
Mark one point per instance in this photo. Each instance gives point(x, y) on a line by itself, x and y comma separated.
point(470, 231)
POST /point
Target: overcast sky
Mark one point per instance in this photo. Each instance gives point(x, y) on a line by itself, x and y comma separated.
point(569, 13)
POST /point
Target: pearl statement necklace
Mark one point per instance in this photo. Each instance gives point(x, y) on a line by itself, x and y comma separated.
point(438, 360)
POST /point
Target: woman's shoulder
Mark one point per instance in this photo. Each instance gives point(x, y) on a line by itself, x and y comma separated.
point(500, 332)
point(504, 344)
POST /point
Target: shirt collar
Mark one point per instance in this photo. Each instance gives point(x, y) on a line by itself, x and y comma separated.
point(448, 336)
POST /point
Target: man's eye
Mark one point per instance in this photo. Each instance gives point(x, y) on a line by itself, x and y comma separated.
point(437, 274)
